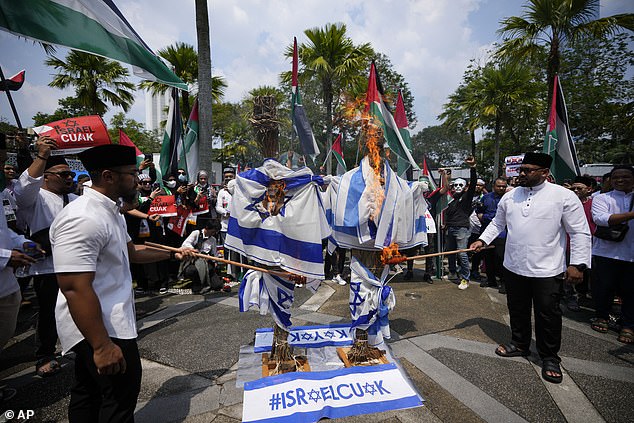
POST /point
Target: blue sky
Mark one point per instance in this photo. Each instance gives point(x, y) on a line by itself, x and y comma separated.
point(430, 42)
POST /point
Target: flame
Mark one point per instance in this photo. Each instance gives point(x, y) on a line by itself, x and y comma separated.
point(274, 195)
point(391, 255)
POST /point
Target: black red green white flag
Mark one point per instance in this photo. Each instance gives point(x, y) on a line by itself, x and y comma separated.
point(301, 125)
point(558, 142)
point(14, 83)
point(337, 151)
point(400, 117)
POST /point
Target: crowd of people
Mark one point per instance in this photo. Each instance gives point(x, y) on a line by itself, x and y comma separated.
point(61, 234)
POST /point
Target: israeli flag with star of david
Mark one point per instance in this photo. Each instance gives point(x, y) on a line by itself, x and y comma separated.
point(370, 301)
point(270, 293)
point(400, 217)
point(292, 238)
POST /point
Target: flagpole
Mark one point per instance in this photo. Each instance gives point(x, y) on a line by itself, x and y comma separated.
point(327, 157)
point(15, 112)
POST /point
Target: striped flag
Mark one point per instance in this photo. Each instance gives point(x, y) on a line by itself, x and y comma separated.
point(125, 140)
point(188, 149)
point(379, 110)
point(558, 142)
point(426, 176)
point(93, 26)
point(400, 117)
point(291, 238)
point(298, 114)
point(337, 151)
point(172, 137)
point(14, 83)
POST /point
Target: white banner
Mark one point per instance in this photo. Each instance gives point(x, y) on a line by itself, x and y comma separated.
point(308, 397)
point(306, 336)
point(513, 165)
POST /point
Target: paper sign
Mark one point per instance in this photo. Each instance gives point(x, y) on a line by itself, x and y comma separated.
point(164, 205)
point(513, 165)
point(75, 135)
point(310, 397)
point(306, 337)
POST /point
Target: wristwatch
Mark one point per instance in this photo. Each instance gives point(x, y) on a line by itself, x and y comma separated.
point(580, 267)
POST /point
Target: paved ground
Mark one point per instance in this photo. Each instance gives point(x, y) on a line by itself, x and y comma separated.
point(443, 337)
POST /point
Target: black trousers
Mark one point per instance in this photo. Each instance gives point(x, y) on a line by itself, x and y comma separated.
point(493, 259)
point(612, 277)
point(96, 398)
point(46, 290)
point(543, 294)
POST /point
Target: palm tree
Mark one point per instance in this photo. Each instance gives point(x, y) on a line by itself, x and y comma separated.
point(96, 80)
point(331, 57)
point(554, 23)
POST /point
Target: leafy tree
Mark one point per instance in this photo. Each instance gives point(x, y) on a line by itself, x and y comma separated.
point(555, 23)
point(145, 140)
point(331, 58)
point(96, 80)
point(442, 145)
point(231, 126)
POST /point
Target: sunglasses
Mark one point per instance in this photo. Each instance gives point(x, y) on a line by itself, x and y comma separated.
point(63, 174)
point(145, 182)
point(528, 170)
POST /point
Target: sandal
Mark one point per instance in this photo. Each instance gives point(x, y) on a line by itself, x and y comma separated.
point(47, 367)
point(626, 336)
point(598, 324)
point(553, 367)
point(511, 350)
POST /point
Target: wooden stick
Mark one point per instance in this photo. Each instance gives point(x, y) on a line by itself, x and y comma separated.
point(162, 247)
point(396, 260)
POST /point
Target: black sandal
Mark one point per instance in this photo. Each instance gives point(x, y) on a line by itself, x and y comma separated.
point(511, 350)
point(551, 366)
point(52, 364)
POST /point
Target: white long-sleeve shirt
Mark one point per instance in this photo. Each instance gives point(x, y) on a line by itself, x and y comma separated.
point(208, 245)
point(9, 240)
point(537, 219)
point(37, 208)
point(603, 206)
point(222, 207)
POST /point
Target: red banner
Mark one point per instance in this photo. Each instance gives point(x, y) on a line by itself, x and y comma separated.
point(178, 223)
point(164, 205)
point(202, 206)
point(75, 135)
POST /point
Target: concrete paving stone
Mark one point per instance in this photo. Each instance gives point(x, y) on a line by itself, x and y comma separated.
point(166, 313)
point(512, 383)
point(323, 319)
point(160, 380)
point(227, 377)
point(612, 399)
point(230, 394)
point(322, 295)
point(586, 347)
point(201, 418)
point(233, 412)
point(178, 407)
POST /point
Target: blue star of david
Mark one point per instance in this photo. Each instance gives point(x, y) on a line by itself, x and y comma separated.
point(306, 336)
point(356, 300)
point(265, 214)
point(369, 388)
point(329, 334)
point(283, 296)
point(314, 395)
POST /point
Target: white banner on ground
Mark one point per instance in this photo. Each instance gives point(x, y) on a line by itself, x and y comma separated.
point(306, 337)
point(309, 397)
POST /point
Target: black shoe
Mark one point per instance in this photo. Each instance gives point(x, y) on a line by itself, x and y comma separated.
point(409, 275)
point(502, 289)
point(6, 394)
point(427, 278)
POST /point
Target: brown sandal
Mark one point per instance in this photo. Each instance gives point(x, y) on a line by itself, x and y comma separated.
point(626, 336)
point(599, 325)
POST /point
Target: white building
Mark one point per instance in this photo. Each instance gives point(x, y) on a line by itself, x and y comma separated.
point(155, 110)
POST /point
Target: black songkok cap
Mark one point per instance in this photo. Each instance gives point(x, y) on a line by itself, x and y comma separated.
point(539, 159)
point(229, 170)
point(54, 161)
point(586, 180)
point(107, 156)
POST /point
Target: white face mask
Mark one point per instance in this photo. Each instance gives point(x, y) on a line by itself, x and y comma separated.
point(170, 184)
point(182, 178)
point(459, 185)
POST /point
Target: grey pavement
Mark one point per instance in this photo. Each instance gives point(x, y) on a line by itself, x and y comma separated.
point(444, 338)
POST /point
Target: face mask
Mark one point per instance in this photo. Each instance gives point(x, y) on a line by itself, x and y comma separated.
point(170, 184)
point(182, 178)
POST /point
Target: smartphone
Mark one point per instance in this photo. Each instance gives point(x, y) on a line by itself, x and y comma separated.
point(155, 185)
point(149, 157)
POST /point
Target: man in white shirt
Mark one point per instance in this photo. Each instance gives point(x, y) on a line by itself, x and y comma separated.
point(41, 192)
point(95, 309)
point(537, 215)
point(222, 208)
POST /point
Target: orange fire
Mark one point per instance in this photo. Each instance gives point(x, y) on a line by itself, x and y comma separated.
point(391, 255)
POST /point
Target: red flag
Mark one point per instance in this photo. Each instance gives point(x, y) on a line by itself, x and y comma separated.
point(125, 140)
point(14, 83)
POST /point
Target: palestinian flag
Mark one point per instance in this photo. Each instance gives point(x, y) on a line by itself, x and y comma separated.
point(92, 26)
point(426, 176)
point(337, 151)
point(379, 111)
point(558, 142)
point(125, 140)
point(14, 83)
point(401, 122)
point(299, 119)
point(188, 149)
point(172, 137)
